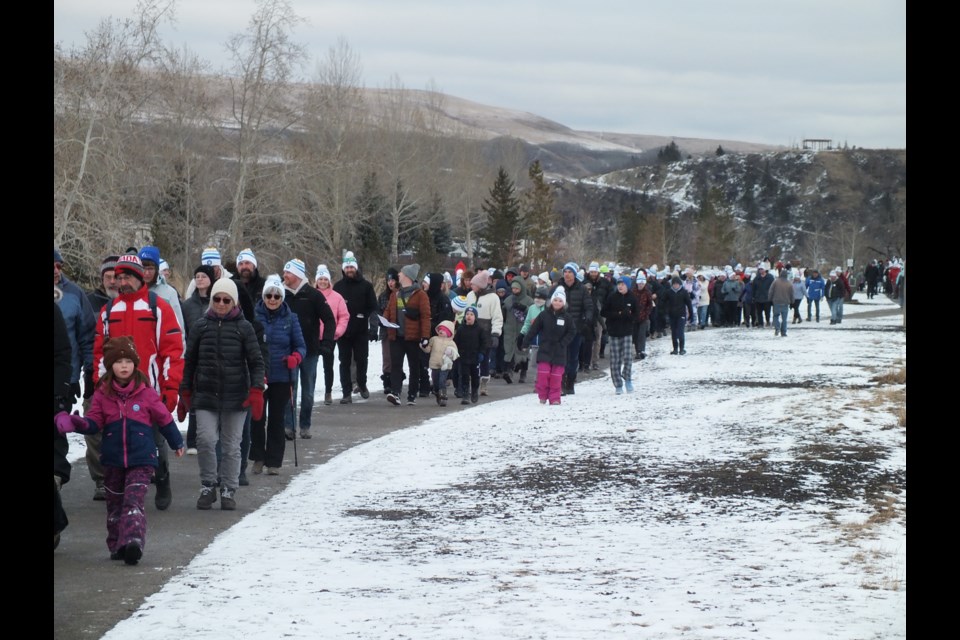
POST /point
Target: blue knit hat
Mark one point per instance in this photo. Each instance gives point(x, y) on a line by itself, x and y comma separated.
point(572, 266)
point(472, 309)
point(150, 253)
point(625, 280)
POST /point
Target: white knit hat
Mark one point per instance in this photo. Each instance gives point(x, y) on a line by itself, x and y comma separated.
point(297, 268)
point(211, 257)
point(274, 283)
point(349, 260)
point(247, 256)
point(322, 272)
point(559, 294)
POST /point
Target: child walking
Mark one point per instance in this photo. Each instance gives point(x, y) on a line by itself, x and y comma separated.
point(443, 352)
point(556, 330)
point(127, 410)
point(472, 343)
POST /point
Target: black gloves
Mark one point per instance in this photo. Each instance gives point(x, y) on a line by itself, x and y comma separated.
point(374, 335)
point(87, 385)
point(75, 390)
point(520, 341)
point(494, 342)
point(60, 403)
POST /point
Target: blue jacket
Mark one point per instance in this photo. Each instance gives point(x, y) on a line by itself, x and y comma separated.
point(281, 330)
point(815, 287)
point(81, 322)
point(127, 422)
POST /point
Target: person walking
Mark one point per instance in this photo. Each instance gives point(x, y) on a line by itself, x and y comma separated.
point(285, 351)
point(311, 308)
point(815, 285)
point(781, 297)
point(834, 292)
point(556, 330)
point(362, 327)
point(409, 309)
point(193, 309)
point(127, 412)
point(223, 375)
point(678, 306)
point(341, 316)
point(158, 337)
point(622, 313)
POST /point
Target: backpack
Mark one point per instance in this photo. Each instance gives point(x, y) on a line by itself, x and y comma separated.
point(151, 298)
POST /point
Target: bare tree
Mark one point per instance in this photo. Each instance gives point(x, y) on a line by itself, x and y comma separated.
point(265, 59)
point(100, 91)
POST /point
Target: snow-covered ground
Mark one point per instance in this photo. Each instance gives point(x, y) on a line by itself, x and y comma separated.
point(754, 488)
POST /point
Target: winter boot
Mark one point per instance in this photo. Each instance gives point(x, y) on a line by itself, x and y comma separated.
point(227, 500)
point(570, 382)
point(483, 385)
point(507, 377)
point(328, 398)
point(564, 385)
point(164, 494)
point(385, 378)
point(443, 398)
point(523, 375)
point(474, 395)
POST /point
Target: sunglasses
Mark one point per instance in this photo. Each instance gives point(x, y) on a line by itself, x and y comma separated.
point(222, 300)
point(272, 296)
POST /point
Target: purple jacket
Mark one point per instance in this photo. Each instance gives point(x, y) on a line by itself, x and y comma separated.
point(127, 422)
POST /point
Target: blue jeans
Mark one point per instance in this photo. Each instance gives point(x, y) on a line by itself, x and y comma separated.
point(816, 303)
point(836, 310)
point(702, 315)
point(307, 383)
point(780, 313)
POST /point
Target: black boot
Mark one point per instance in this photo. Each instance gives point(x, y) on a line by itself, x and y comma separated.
point(563, 385)
point(570, 382)
point(523, 374)
point(164, 494)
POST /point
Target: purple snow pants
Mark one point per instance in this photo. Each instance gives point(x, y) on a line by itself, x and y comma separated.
point(126, 520)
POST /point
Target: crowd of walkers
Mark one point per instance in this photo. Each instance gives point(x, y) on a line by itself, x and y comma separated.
point(236, 355)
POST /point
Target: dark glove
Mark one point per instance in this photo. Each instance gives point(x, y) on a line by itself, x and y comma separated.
point(62, 403)
point(255, 402)
point(75, 390)
point(87, 385)
point(520, 341)
point(293, 360)
point(183, 408)
point(374, 335)
point(424, 343)
point(170, 399)
point(494, 342)
point(326, 347)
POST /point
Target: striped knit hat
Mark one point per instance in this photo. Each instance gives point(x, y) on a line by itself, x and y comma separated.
point(210, 256)
point(349, 260)
point(130, 264)
point(297, 268)
point(247, 256)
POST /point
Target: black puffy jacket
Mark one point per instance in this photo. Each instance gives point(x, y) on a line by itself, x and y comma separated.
point(222, 362)
point(579, 305)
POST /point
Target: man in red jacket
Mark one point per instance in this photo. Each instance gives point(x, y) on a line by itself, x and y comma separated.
point(156, 332)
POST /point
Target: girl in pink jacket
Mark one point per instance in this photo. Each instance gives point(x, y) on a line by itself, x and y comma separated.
point(342, 317)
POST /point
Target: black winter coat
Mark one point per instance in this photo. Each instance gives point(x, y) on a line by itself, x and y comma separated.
point(361, 302)
point(222, 362)
point(579, 306)
point(556, 331)
point(311, 307)
point(621, 311)
point(673, 302)
point(471, 340)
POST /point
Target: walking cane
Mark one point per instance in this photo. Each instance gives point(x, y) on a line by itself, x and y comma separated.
point(293, 410)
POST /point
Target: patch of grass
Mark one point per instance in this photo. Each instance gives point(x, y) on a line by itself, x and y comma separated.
point(897, 376)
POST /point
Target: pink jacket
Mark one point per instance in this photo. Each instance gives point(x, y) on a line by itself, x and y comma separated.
point(339, 307)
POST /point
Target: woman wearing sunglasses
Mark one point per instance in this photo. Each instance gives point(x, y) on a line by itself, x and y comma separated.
point(223, 374)
point(281, 328)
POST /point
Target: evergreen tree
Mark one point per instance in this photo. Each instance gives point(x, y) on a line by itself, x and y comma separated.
point(719, 150)
point(540, 219)
point(501, 234)
point(371, 205)
point(669, 153)
point(628, 236)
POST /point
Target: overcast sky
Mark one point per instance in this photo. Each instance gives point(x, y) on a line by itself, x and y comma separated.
point(750, 70)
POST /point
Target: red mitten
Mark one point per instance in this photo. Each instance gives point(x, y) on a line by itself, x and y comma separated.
point(255, 402)
point(293, 360)
point(184, 407)
point(169, 398)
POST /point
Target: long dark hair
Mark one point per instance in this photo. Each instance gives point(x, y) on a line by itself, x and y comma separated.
point(106, 381)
